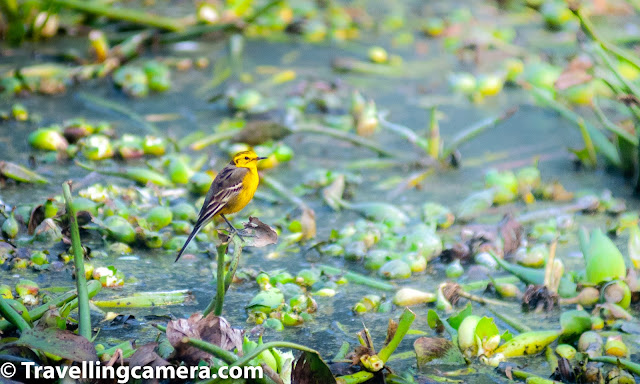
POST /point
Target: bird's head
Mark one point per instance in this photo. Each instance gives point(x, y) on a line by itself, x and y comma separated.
point(246, 159)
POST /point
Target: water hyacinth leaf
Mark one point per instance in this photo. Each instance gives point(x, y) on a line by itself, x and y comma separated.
point(311, 369)
point(19, 173)
point(574, 323)
point(486, 328)
point(604, 260)
point(49, 139)
point(64, 344)
point(457, 319)
point(258, 234)
point(266, 301)
point(475, 204)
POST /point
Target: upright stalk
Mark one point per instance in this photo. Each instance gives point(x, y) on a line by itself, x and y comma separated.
point(84, 314)
point(223, 281)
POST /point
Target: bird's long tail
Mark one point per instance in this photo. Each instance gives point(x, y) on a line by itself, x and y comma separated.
point(195, 231)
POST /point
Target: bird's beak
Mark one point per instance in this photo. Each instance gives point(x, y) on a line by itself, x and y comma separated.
point(261, 158)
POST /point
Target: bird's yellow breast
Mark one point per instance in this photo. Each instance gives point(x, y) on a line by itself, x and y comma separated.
point(249, 186)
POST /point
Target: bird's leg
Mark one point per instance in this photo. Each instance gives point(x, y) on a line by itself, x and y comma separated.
point(232, 228)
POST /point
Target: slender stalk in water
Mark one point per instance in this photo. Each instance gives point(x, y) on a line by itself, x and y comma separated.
point(84, 314)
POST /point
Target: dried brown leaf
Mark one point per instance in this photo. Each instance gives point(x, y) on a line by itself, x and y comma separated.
point(65, 344)
point(37, 217)
point(391, 331)
point(213, 329)
point(308, 221)
point(511, 232)
point(146, 356)
point(575, 73)
point(258, 234)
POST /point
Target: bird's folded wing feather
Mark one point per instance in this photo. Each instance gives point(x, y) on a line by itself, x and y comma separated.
point(226, 185)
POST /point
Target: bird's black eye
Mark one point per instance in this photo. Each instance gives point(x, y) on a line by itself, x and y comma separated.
point(246, 157)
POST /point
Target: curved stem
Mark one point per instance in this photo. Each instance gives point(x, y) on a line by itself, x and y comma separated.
point(222, 354)
point(244, 360)
point(12, 316)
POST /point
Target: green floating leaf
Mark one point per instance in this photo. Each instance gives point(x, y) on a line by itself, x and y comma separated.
point(456, 319)
point(20, 173)
point(486, 328)
point(574, 323)
point(61, 343)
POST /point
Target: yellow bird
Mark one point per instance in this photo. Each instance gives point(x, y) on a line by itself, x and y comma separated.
point(231, 190)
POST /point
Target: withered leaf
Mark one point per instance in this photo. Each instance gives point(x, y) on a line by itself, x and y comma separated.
point(332, 193)
point(575, 73)
point(391, 331)
point(213, 329)
point(65, 344)
point(37, 217)
point(258, 234)
point(511, 232)
point(310, 369)
point(434, 348)
point(308, 222)
point(146, 356)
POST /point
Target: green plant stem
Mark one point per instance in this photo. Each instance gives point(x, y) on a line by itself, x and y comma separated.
point(406, 319)
point(346, 136)
point(224, 355)
point(121, 109)
point(357, 278)
point(233, 266)
point(611, 126)
point(588, 28)
point(404, 132)
point(280, 189)
point(223, 281)
point(473, 131)
point(600, 141)
point(213, 139)
point(627, 364)
point(434, 134)
point(92, 286)
point(12, 316)
point(609, 62)
point(84, 314)
point(131, 15)
point(516, 324)
point(220, 292)
point(244, 360)
point(342, 352)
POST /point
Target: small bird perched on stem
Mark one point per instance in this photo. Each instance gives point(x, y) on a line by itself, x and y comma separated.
point(231, 190)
